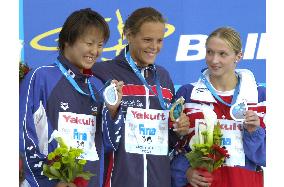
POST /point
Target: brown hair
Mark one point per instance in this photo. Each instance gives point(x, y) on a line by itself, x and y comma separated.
point(77, 23)
point(230, 36)
point(140, 16)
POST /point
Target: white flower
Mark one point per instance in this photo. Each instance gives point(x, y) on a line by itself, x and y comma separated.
point(194, 140)
point(210, 118)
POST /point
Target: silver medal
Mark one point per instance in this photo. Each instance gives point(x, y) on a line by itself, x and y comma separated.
point(110, 94)
point(238, 111)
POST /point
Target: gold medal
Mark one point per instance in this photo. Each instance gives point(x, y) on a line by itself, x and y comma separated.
point(177, 108)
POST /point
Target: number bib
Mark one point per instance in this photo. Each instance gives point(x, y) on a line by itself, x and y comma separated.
point(232, 139)
point(78, 130)
point(146, 131)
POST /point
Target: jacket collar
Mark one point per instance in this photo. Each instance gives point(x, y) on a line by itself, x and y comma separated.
point(71, 68)
point(248, 88)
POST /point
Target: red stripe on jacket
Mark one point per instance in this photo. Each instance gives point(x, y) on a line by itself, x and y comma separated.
point(139, 90)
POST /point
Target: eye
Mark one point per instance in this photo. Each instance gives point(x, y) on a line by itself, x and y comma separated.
point(223, 54)
point(147, 40)
point(209, 52)
point(101, 45)
point(89, 43)
point(160, 41)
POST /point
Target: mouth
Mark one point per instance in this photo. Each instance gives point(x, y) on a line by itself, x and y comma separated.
point(150, 54)
point(214, 67)
point(90, 59)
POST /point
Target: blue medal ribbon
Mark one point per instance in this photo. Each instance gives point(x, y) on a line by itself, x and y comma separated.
point(130, 61)
point(74, 83)
point(213, 92)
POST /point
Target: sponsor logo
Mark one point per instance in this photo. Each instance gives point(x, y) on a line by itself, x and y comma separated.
point(233, 126)
point(146, 131)
point(192, 47)
point(78, 120)
point(226, 141)
point(64, 106)
point(145, 115)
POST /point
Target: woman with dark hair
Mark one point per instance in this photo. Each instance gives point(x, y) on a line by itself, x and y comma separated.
point(60, 97)
point(142, 158)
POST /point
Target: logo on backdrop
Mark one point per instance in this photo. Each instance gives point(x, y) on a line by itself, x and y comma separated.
point(190, 47)
point(36, 41)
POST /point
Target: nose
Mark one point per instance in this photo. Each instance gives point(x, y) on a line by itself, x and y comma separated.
point(154, 45)
point(95, 51)
point(215, 58)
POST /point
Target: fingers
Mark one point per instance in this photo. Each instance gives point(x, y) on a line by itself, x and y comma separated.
point(193, 184)
point(118, 85)
point(251, 118)
point(181, 126)
point(252, 121)
point(195, 179)
point(182, 131)
point(201, 182)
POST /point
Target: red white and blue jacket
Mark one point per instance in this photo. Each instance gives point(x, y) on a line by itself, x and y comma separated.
point(44, 93)
point(128, 169)
point(197, 94)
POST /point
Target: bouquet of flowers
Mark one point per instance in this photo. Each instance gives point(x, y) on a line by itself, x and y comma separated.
point(23, 70)
point(207, 153)
point(63, 164)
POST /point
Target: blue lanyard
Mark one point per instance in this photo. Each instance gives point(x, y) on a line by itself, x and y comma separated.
point(156, 77)
point(213, 92)
point(73, 82)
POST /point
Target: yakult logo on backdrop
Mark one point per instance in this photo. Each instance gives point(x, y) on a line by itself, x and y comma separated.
point(192, 47)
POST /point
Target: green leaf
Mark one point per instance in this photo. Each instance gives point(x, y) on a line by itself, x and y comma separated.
point(86, 175)
point(47, 173)
point(54, 172)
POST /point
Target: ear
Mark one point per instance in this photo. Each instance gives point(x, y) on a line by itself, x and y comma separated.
point(239, 56)
point(128, 36)
point(66, 44)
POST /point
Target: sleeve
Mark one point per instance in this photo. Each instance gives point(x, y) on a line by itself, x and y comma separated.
point(180, 144)
point(32, 135)
point(255, 143)
point(173, 136)
point(255, 146)
point(111, 129)
point(179, 166)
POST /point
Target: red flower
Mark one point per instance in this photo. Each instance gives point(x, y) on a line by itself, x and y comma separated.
point(23, 70)
point(222, 151)
point(55, 159)
point(81, 182)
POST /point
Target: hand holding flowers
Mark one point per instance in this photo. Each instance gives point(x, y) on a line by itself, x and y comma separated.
point(206, 153)
point(63, 164)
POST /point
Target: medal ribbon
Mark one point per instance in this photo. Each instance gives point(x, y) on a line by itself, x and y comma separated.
point(130, 61)
point(213, 92)
point(74, 83)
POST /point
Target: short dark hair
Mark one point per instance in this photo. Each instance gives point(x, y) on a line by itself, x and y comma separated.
point(76, 24)
point(140, 16)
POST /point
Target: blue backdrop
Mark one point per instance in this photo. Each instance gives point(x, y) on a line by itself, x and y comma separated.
point(189, 23)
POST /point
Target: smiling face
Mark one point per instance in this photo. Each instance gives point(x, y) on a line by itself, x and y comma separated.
point(86, 49)
point(221, 59)
point(147, 43)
